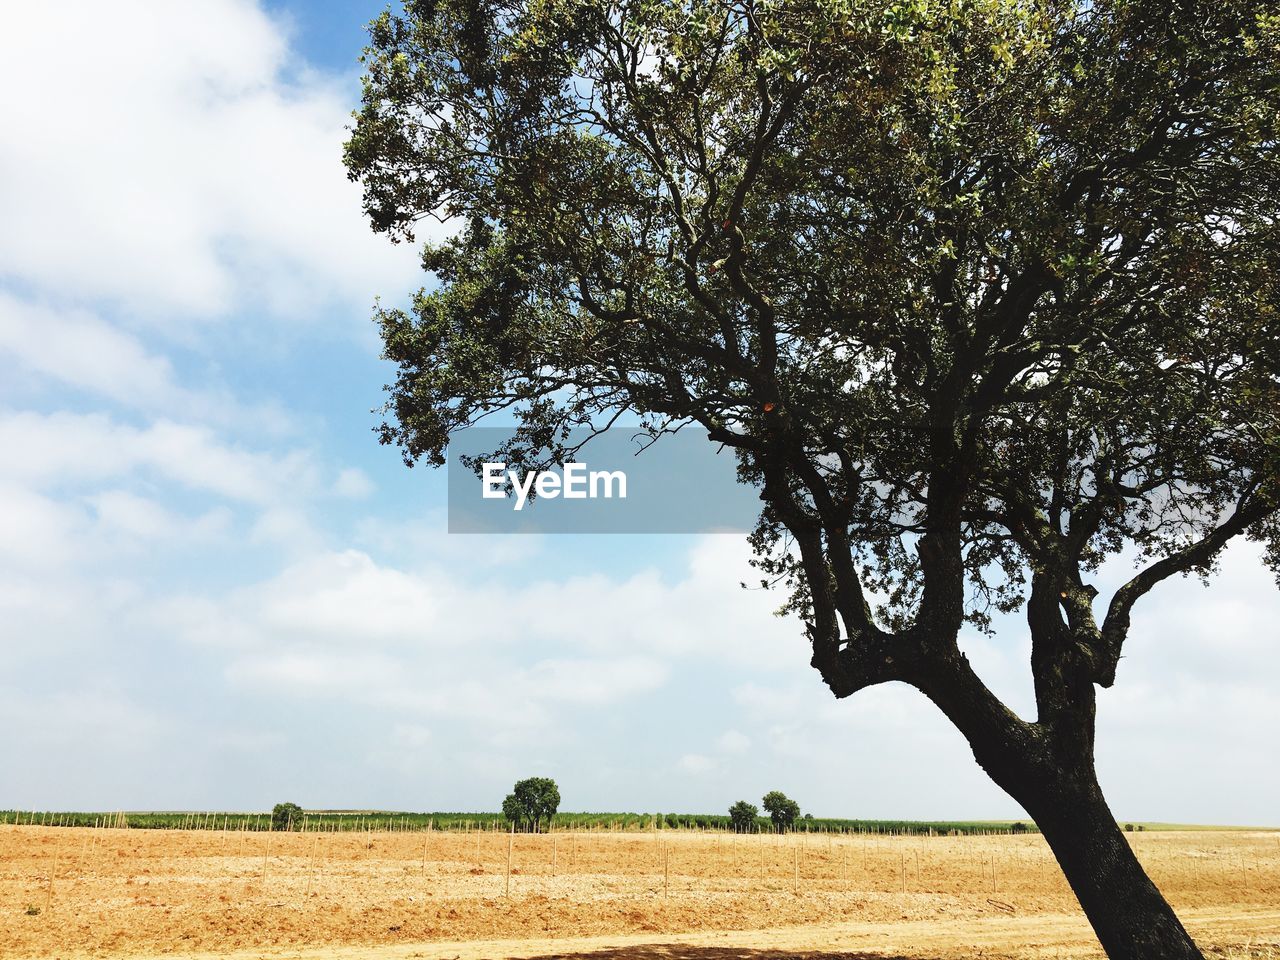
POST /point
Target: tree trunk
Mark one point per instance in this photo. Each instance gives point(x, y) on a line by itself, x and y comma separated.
point(1132, 919)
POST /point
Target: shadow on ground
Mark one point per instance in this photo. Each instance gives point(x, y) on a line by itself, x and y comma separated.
point(680, 951)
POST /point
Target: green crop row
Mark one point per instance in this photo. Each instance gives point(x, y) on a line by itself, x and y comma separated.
point(381, 820)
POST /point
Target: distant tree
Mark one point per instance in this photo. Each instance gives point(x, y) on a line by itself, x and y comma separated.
point(782, 810)
point(531, 802)
point(742, 817)
point(285, 816)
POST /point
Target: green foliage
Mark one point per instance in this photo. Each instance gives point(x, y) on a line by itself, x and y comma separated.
point(982, 292)
point(782, 810)
point(286, 816)
point(743, 816)
point(531, 803)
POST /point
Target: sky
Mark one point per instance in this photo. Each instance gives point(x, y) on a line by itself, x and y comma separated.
point(217, 591)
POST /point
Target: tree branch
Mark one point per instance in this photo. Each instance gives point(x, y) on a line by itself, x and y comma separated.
point(1115, 626)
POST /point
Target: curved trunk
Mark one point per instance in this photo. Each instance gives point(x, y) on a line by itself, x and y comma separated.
point(1131, 917)
point(1052, 775)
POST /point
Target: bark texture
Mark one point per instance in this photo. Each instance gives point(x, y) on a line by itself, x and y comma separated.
point(1131, 918)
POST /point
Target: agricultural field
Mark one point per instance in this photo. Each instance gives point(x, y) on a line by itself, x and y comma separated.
point(73, 892)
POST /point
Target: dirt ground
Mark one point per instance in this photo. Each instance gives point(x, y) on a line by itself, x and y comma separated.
point(76, 893)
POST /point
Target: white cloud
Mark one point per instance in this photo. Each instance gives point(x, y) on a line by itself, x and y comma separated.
point(696, 613)
point(75, 347)
point(115, 719)
point(354, 483)
point(179, 157)
point(699, 611)
point(287, 526)
point(697, 764)
point(596, 681)
point(36, 531)
point(339, 596)
point(60, 535)
point(419, 640)
point(305, 671)
point(411, 735)
point(447, 666)
point(733, 742)
point(61, 448)
point(121, 513)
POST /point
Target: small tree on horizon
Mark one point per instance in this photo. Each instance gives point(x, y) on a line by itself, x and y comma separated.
point(285, 816)
point(782, 810)
point(742, 817)
point(531, 802)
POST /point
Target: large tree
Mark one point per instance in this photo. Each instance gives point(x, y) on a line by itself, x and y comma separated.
point(982, 292)
point(743, 816)
point(531, 803)
point(782, 810)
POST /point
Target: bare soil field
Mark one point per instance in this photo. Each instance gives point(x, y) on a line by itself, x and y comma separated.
point(76, 893)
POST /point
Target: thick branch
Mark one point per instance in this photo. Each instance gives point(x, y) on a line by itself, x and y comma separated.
point(1115, 627)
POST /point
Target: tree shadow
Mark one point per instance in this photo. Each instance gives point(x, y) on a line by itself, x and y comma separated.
point(682, 951)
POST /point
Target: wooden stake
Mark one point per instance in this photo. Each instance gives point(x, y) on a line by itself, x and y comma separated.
point(511, 840)
point(312, 865)
point(48, 897)
point(666, 871)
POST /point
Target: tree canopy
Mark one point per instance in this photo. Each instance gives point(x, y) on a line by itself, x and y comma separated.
point(782, 810)
point(742, 817)
point(531, 803)
point(966, 314)
point(286, 816)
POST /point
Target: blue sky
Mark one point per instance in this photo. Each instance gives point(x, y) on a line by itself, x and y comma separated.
point(218, 591)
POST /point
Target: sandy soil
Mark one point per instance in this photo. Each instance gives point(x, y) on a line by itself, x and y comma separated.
point(674, 895)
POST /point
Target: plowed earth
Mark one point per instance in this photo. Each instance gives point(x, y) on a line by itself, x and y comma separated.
point(78, 893)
